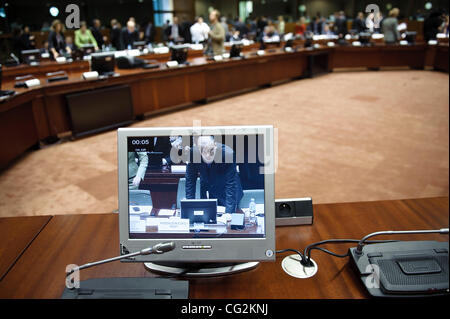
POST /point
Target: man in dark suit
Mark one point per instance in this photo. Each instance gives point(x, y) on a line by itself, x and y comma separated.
point(341, 24)
point(216, 165)
point(161, 144)
point(129, 35)
point(149, 32)
point(174, 31)
point(97, 33)
point(315, 26)
point(115, 34)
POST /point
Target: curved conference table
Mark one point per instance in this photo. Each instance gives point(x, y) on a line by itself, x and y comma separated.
point(41, 113)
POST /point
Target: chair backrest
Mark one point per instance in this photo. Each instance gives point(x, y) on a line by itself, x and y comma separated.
point(257, 194)
point(140, 197)
point(181, 192)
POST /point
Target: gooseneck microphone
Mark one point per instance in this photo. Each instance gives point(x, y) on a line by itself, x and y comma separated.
point(16, 59)
point(399, 232)
point(157, 249)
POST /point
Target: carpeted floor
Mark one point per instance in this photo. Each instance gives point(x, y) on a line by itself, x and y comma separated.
point(343, 137)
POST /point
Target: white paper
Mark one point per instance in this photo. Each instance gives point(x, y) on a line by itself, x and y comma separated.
point(152, 221)
point(137, 226)
point(178, 168)
point(166, 212)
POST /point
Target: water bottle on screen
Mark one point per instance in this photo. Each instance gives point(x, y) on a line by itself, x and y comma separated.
point(252, 210)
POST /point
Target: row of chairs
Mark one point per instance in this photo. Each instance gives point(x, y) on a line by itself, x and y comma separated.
point(143, 197)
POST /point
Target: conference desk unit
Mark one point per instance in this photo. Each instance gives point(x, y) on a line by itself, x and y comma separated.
point(39, 113)
point(36, 267)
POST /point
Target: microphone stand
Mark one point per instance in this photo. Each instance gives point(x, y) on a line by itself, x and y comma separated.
point(143, 288)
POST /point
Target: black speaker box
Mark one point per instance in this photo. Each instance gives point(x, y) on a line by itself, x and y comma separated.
point(294, 211)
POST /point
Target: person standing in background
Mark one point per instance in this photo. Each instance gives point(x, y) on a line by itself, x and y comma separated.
point(129, 36)
point(216, 34)
point(300, 26)
point(84, 36)
point(281, 25)
point(199, 31)
point(97, 32)
point(389, 27)
point(56, 41)
point(114, 35)
point(359, 24)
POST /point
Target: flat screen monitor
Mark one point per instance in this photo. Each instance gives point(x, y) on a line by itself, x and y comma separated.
point(364, 38)
point(410, 36)
point(212, 174)
point(87, 49)
point(235, 51)
point(179, 53)
point(31, 56)
point(103, 63)
point(140, 45)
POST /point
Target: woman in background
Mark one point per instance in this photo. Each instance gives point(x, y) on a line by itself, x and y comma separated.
point(84, 36)
point(56, 42)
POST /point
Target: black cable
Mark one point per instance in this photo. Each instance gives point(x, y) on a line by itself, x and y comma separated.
point(306, 255)
point(307, 251)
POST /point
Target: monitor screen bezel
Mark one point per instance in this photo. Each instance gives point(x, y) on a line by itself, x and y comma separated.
point(222, 249)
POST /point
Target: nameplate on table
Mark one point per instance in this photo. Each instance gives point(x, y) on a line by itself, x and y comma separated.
point(226, 55)
point(331, 44)
point(32, 83)
point(172, 64)
point(90, 75)
point(61, 59)
point(260, 52)
point(174, 225)
point(218, 58)
point(45, 55)
point(403, 42)
point(179, 169)
point(356, 44)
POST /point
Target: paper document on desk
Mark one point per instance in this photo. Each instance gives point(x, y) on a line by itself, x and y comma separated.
point(166, 212)
point(178, 169)
point(221, 209)
point(137, 226)
point(153, 221)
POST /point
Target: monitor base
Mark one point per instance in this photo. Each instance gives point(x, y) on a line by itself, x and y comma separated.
point(200, 269)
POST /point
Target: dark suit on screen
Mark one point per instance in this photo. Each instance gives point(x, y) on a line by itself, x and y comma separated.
point(221, 180)
point(162, 145)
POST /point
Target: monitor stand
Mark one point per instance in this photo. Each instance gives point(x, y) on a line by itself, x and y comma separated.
point(200, 269)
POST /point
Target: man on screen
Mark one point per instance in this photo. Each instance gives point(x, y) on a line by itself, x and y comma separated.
point(137, 166)
point(218, 178)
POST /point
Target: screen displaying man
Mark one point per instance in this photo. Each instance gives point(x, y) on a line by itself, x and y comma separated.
point(219, 178)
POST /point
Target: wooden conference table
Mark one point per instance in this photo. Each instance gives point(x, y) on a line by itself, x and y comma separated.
point(39, 113)
point(34, 267)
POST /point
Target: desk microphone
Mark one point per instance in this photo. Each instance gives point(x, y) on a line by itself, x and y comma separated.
point(157, 249)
